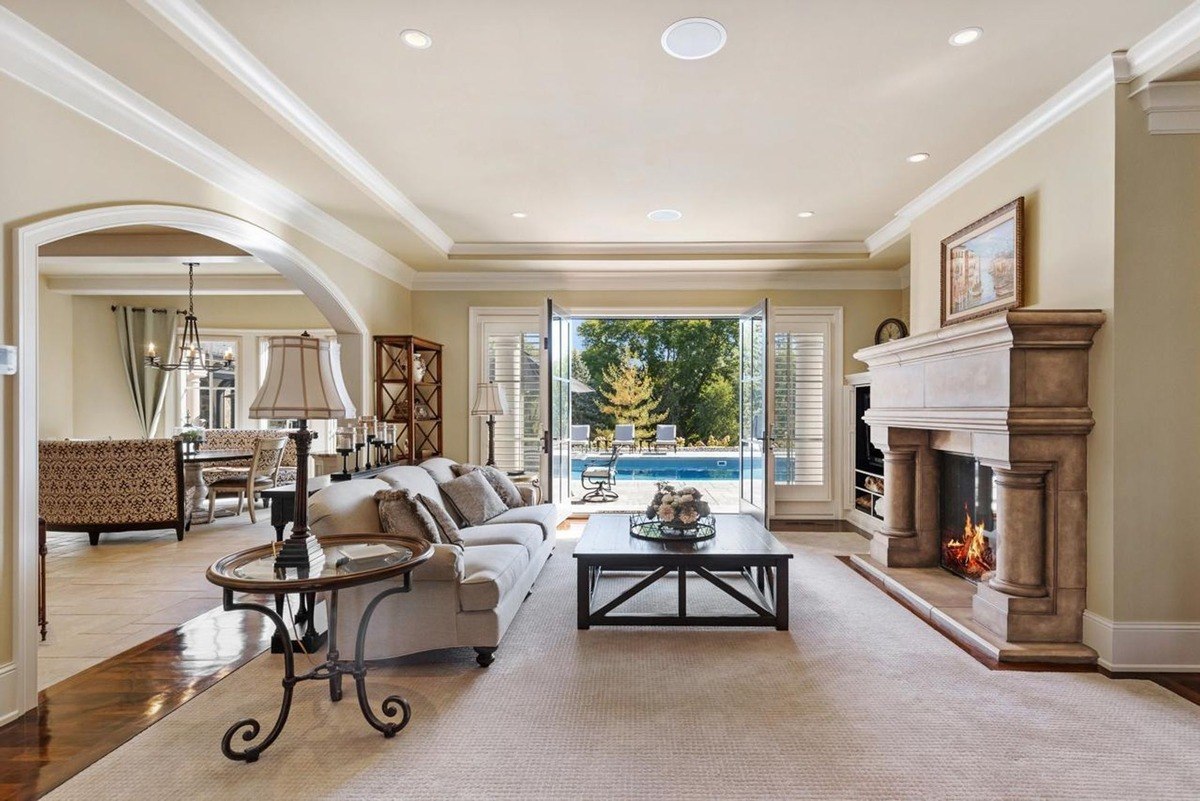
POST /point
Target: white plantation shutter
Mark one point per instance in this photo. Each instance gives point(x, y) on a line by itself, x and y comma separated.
point(512, 361)
point(801, 408)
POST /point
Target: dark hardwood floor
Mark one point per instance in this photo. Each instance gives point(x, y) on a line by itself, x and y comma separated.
point(83, 718)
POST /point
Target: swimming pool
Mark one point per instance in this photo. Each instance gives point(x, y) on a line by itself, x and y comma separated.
point(715, 466)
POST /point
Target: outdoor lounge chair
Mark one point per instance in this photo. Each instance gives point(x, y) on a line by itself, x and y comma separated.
point(664, 436)
point(623, 437)
point(599, 478)
point(581, 436)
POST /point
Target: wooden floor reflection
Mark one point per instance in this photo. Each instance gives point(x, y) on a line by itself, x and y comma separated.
point(83, 718)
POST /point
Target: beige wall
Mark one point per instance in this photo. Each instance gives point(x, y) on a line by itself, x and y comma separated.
point(56, 161)
point(95, 401)
point(56, 331)
point(1157, 429)
point(1066, 176)
point(443, 317)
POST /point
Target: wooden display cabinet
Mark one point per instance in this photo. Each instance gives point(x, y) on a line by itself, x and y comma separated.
point(408, 392)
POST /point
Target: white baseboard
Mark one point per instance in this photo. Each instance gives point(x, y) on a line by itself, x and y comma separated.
point(1143, 646)
point(10, 705)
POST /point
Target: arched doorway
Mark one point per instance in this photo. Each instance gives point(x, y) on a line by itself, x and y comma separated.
point(290, 262)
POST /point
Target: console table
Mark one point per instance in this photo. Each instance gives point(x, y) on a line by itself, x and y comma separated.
point(253, 571)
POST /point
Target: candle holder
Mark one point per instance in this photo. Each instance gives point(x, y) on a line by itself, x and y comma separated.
point(358, 446)
point(370, 442)
point(345, 474)
point(387, 450)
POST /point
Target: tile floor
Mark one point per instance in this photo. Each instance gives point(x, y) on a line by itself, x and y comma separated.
point(131, 587)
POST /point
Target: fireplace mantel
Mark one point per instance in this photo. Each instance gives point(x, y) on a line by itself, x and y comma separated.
point(1012, 391)
point(1014, 372)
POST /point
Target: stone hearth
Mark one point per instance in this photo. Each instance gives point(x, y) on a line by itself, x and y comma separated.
point(1010, 390)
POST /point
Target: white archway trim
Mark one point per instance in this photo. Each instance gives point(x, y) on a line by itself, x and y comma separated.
point(18, 687)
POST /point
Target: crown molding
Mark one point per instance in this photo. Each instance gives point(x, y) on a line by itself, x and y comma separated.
point(1166, 46)
point(1172, 107)
point(649, 280)
point(187, 22)
point(657, 250)
point(44, 64)
point(170, 285)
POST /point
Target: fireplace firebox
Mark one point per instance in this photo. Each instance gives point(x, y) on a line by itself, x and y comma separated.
point(969, 541)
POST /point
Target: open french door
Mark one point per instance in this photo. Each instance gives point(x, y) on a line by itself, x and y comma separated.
point(556, 408)
point(755, 401)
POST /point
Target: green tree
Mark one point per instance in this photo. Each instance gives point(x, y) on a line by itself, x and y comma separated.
point(628, 395)
point(716, 415)
point(585, 409)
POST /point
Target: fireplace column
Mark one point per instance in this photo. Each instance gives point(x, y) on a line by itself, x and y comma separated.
point(1020, 521)
point(900, 486)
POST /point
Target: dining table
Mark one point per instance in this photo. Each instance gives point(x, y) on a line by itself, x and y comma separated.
point(194, 463)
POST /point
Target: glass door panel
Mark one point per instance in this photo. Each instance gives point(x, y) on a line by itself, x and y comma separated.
point(557, 410)
point(754, 405)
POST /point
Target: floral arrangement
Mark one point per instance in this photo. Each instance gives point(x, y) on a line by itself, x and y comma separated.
point(680, 508)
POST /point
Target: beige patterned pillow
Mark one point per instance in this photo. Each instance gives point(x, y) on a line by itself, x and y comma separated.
point(445, 523)
point(474, 498)
point(501, 483)
point(400, 512)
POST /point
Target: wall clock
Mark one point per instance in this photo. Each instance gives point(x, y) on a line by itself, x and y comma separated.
point(889, 329)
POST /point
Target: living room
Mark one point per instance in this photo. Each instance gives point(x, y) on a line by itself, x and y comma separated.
point(981, 220)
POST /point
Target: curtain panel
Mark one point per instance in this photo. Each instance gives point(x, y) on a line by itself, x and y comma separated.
point(136, 329)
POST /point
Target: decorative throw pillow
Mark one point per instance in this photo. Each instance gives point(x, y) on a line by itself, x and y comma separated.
point(445, 523)
point(400, 512)
point(474, 498)
point(501, 483)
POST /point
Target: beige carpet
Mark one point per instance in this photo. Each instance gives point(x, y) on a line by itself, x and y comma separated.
point(859, 700)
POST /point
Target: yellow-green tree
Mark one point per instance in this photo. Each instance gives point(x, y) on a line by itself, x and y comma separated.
point(628, 395)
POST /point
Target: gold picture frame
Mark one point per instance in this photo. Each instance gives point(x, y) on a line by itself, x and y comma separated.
point(983, 265)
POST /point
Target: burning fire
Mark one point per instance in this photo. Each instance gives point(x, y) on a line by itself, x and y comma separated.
point(972, 556)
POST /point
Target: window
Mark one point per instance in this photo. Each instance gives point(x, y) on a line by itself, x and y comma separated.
point(512, 359)
point(801, 409)
point(210, 399)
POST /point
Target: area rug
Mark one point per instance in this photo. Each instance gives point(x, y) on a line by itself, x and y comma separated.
point(860, 699)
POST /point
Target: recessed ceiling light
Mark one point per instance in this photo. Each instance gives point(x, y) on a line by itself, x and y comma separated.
point(665, 215)
point(416, 39)
point(805, 214)
point(917, 158)
point(520, 215)
point(693, 38)
point(966, 36)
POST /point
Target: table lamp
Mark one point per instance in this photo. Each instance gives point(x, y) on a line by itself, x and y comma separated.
point(304, 382)
point(489, 401)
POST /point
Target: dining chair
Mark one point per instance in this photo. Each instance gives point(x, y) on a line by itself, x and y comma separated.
point(263, 474)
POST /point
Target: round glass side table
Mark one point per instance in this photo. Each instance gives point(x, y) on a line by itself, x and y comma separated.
point(351, 560)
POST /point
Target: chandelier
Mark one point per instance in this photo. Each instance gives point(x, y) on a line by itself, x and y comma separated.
point(192, 357)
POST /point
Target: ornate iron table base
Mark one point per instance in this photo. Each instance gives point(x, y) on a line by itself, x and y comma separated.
point(331, 670)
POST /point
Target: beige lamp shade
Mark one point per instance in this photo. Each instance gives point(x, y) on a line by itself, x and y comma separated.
point(489, 400)
point(304, 381)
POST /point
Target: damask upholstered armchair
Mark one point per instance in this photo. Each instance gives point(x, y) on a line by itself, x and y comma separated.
point(112, 485)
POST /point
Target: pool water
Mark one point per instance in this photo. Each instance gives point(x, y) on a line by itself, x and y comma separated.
point(668, 467)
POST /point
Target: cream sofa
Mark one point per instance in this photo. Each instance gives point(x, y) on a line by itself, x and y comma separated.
point(459, 598)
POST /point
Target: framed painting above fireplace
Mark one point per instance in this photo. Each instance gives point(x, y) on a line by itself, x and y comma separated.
point(983, 265)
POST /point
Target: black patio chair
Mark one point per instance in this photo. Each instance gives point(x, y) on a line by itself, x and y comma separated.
point(598, 479)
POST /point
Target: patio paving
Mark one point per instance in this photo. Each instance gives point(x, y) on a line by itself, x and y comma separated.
point(635, 496)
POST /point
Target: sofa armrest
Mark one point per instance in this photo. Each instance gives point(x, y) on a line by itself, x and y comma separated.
point(531, 493)
point(446, 564)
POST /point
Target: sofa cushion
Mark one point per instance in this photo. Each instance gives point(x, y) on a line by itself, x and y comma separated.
point(410, 478)
point(526, 535)
point(489, 573)
point(473, 498)
point(501, 483)
point(346, 507)
point(439, 468)
point(544, 515)
point(401, 512)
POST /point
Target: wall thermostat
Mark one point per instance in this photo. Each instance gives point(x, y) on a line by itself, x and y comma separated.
point(8, 360)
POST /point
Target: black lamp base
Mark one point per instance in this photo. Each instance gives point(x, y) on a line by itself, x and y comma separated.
point(300, 553)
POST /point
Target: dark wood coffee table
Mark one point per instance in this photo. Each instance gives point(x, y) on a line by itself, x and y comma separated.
point(742, 546)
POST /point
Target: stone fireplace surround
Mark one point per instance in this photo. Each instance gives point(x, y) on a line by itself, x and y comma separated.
point(1011, 390)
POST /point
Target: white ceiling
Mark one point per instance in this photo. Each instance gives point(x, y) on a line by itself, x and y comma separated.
point(572, 113)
